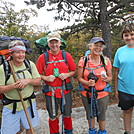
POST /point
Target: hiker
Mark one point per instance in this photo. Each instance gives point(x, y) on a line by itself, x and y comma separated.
point(88, 51)
point(124, 75)
point(95, 66)
point(56, 67)
point(13, 113)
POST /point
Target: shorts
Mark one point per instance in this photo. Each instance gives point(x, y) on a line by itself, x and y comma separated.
point(126, 101)
point(58, 104)
point(11, 122)
point(102, 106)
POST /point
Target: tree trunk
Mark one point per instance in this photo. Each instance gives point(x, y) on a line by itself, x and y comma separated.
point(105, 27)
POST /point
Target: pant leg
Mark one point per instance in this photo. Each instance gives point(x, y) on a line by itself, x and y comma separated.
point(54, 126)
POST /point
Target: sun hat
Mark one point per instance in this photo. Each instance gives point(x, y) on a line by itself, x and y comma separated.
point(53, 36)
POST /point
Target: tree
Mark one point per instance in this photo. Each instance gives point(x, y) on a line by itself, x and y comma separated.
point(14, 23)
point(93, 15)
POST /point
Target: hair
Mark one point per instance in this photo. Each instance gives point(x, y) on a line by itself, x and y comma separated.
point(127, 28)
point(16, 42)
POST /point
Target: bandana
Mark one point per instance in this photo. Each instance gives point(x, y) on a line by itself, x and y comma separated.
point(17, 48)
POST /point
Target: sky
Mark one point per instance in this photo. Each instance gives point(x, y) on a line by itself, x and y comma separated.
point(44, 17)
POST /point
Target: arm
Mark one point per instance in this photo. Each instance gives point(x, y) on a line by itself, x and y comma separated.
point(6, 88)
point(116, 71)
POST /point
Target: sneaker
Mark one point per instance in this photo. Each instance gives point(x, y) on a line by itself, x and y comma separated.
point(92, 131)
point(102, 132)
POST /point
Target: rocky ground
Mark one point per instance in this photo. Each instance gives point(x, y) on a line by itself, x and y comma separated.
point(80, 126)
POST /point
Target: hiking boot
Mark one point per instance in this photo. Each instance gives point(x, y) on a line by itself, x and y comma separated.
point(92, 131)
point(102, 131)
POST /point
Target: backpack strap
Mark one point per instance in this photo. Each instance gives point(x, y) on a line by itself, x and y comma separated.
point(64, 56)
point(46, 58)
point(7, 68)
point(102, 60)
point(28, 66)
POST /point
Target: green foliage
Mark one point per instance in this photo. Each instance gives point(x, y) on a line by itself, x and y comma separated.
point(14, 23)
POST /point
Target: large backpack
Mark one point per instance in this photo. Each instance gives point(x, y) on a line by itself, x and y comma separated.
point(5, 40)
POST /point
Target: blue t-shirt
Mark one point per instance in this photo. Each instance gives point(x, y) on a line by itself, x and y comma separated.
point(124, 60)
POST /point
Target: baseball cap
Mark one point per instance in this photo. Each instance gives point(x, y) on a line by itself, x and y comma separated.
point(97, 39)
point(53, 36)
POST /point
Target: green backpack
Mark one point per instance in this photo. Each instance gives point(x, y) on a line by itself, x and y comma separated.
point(42, 44)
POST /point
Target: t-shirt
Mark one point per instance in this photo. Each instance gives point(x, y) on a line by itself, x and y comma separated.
point(26, 92)
point(124, 60)
point(49, 70)
point(99, 85)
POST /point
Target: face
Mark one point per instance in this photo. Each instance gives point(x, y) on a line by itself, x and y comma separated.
point(97, 48)
point(54, 45)
point(18, 56)
point(129, 38)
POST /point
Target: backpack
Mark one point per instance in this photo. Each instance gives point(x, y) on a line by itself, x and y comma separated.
point(5, 40)
point(42, 44)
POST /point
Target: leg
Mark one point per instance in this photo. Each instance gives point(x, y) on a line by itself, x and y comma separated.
point(28, 131)
point(54, 126)
point(67, 114)
point(127, 117)
point(53, 120)
point(93, 123)
point(102, 125)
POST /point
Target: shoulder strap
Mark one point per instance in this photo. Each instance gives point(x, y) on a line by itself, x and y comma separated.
point(46, 58)
point(103, 61)
point(27, 64)
point(7, 69)
point(85, 61)
point(64, 56)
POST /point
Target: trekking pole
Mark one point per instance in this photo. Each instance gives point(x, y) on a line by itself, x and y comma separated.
point(93, 77)
point(91, 108)
point(21, 98)
point(63, 104)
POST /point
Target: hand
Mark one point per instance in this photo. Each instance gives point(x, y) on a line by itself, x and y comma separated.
point(105, 78)
point(21, 83)
point(91, 83)
point(63, 76)
point(50, 78)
